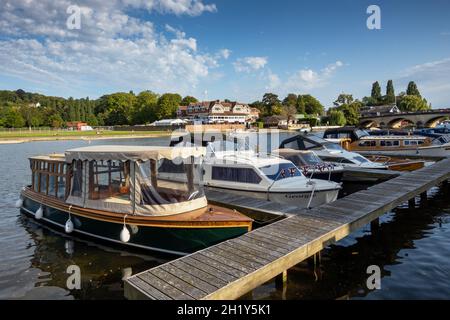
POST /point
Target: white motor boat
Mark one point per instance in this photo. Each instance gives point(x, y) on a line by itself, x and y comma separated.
point(244, 172)
point(330, 152)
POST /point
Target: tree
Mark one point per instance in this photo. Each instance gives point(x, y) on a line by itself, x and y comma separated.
point(390, 92)
point(337, 118)
point(116, 108)
point(312, 105)
point(56, 121)
point(269, 101)
point(413, 103)
point(300, 104)
point(376, 91)
point(14, 119)
point(145, 107)
point(351, 112)
point(188, 100)
point(289, 111)
point(343, 98)
point(412, 90)
point(167, 105)
point(290, 100)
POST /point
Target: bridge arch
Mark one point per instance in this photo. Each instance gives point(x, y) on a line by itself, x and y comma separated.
point(369, 123)
point(431, 123)
point(400, 123)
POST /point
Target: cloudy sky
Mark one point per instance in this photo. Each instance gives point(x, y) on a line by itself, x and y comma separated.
point(218, 49)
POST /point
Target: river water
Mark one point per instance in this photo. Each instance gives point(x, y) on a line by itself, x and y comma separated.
point(412, 248)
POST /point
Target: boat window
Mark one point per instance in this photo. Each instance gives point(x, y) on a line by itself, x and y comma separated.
point(335, 159)
point(367, 143)
point(360, 159)
point(108, 179)
point(280, 171)
point(333, 146)
point(77, 179)
point(361, 133)
point(169, 181)
point(243, 175)
point(389, 143)
point(48, 177)
point(310, 158)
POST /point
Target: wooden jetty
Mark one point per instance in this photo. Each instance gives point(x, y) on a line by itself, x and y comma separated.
point(235, 267)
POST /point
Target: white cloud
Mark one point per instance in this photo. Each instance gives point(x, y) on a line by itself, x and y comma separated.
point(303, 79)
point(112, 49)
point(249, 64)
point(225, 53)
point(433, 80)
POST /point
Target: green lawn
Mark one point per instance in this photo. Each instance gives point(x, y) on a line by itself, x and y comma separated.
point(46, 133)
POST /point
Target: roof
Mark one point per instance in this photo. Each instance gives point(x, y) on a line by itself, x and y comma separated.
point(395, 137)
point(133, 153)
point(56, 157)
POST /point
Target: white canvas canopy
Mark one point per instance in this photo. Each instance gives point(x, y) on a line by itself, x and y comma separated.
point(133, 153)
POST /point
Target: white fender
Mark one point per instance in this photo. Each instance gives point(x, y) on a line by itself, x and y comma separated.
point(68, 226)
point(19, 203)
point(39, 213)
point(125, 234)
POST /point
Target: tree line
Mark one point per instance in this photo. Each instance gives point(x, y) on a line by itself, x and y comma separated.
point(346, 110)
point(24, 109)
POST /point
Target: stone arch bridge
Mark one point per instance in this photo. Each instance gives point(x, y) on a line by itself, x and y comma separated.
point(422, 119)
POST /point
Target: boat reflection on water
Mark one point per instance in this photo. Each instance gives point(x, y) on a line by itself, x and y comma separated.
point(102, 269)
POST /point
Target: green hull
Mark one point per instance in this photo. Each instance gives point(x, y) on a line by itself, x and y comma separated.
point(179, 241)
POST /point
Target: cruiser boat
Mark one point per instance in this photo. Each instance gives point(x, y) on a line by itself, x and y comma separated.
point(114, 194)
point(267, 177)
point(311, 165)
point(329, 152)
point(354, 139)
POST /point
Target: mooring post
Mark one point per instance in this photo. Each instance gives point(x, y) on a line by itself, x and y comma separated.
point(423, 198)
point(412, 203)
point(281, 283)
point(375, 225)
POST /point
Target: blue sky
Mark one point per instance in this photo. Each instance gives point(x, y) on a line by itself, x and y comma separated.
point(225, 48)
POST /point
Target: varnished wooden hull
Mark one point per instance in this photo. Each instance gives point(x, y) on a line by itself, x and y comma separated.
point(166, 235)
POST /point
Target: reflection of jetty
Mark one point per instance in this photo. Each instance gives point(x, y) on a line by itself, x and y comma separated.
point(234, 267)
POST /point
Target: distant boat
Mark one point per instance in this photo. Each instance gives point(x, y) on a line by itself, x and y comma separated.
point(114, 194)
point(357, 140)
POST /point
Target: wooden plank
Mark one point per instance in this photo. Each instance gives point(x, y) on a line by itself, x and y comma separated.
point(257, 248)
point(245, 252)
point(207, 277)
point(231, 254)
point(269, 243)
point(244, 269)
point(237, 273)
point(194, 281)
point(163, 287)
point(273, 237)
point(181, 285)
point(219, 274)
point(150, 291)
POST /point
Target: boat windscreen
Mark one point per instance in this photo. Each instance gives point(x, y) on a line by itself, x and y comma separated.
point(361, 133)
point(310, 158)
point(333, 146)
point(280, 171)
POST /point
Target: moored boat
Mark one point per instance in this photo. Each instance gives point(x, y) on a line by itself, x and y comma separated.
point(114, 194)
point(357, 140)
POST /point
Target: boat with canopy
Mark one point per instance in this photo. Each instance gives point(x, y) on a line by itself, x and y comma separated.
point(115, 193)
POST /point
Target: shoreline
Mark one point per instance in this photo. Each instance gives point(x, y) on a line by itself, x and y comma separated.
point(86, 138)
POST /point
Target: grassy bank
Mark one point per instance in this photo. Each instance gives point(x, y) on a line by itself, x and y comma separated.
point(22, 136)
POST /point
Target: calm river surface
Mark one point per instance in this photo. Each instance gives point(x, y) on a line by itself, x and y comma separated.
point(412, 248)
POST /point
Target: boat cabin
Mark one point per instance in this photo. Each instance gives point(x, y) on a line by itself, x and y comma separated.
point(122, 179)
point(388, 142)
